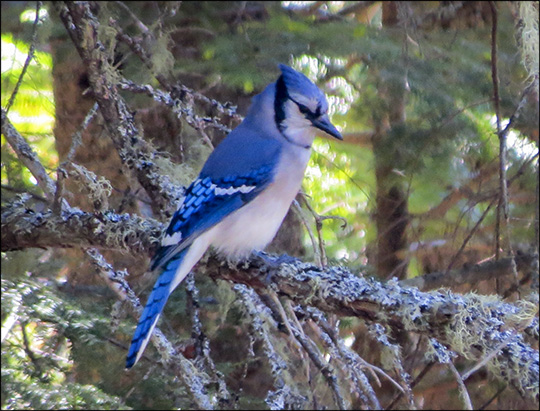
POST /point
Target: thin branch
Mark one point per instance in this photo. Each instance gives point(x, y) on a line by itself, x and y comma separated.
point(487, 358)
point(499, 392)
point(261, 317)
point(27, 156)
point(202, 342)
point(298, 210)
point(470, 274)
point(352, 361)
point(137, 21)
point(176, 101)
point(326, 370)
point(76, 138)
point(30, 353)
point(502, 207)
point(29, 57)
point(318, 225)
point(461, 385)
point(24, 191)
point(193, 380)
point(470, 235)
point(418, 378)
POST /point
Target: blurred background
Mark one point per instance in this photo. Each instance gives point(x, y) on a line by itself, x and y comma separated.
point(414, 188)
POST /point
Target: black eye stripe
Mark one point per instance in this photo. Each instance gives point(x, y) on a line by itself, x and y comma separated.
point(304, 109)
point(307, 112)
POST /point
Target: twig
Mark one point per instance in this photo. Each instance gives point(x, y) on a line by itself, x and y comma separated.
point(445, 356)
point(137, 21)
point(61, 174)
point(27, 156)
point(517, 111)
point(499, 392)
point(30, 353)
point(193, 380)
point(298, 209)
point(350, 358)
point(418, 378)
point(462, 388)
point(487, 358)
point(393, 352)
point(260, 314)
point(470, 274)
point(469, 236)
point(26, 191)
point(76, 138)
point(502, 206)
point(29, 58)
point(318, 224)
point(203, 349)
point(179, 107)
point(325, 369)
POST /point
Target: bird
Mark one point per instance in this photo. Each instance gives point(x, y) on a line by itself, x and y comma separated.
point(243, 191)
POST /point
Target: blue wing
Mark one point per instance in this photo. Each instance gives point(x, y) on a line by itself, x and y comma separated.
point(206, 203)
point(235, 173)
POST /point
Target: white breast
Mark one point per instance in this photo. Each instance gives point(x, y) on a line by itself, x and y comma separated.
point(253, 226)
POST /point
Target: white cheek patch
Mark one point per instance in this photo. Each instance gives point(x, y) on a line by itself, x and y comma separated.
point(294, 119)
point(171, 239)
point(232, 190)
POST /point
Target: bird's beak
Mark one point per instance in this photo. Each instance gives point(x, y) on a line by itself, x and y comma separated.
point(323, 123)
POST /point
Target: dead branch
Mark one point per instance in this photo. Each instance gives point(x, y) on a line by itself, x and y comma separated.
point(471, 274)
point(23, 227)
point(471, 325)
point(136, 154)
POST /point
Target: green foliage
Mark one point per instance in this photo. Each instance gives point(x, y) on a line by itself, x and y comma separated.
point(330, 175)
point(32, 112)
point(447, 136)
point(39, 331)
point(51, 338)
point(35, 93)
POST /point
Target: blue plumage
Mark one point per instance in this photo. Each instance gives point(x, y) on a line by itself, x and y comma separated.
point(202, 208)
point(244, 189)
point(156, 301)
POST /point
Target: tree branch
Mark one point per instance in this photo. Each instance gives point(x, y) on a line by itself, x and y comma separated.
point(471, 274)
point(470, 324)
point(28, 157)
point(29, 57)
point(26, 228)
point(136, 154)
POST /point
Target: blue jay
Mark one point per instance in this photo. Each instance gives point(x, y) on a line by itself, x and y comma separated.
point(244, 190)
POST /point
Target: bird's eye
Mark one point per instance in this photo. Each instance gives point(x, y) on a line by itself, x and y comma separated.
point(304, 110)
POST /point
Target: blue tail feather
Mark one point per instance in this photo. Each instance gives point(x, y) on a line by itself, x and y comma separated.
point(156, 301)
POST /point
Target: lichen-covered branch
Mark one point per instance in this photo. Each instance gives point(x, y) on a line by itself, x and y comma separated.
point(471, 325)
point(472, 274)
point(27, 156)
point(193, 380)
point(136, 154)
point(23, 227)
